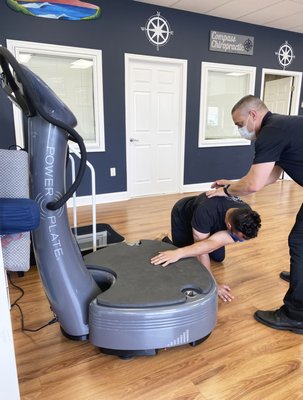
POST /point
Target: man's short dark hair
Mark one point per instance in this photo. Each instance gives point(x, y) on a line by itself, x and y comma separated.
point(246, 221)
point(248, 102)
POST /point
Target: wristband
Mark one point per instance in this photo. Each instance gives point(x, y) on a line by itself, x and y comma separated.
point(225, 190)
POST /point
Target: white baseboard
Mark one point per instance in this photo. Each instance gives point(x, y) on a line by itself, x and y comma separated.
point(197, 187)
point(100, 199)
point(122, 196)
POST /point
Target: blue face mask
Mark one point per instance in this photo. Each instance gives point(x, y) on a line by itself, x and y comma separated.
point(245, 133)
point(235, 237)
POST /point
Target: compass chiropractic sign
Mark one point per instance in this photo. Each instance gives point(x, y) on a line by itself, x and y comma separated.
point(231, 43)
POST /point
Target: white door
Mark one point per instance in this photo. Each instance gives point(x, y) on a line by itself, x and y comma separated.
point(277, 95)
point(155, 109)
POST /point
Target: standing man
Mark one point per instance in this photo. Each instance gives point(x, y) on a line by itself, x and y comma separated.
point(278, 147)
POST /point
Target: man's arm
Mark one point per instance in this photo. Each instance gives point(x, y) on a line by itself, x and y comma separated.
point(224, 291)
point(275, 175)
point(202, 258)
point(206, 246)
point(257, 177)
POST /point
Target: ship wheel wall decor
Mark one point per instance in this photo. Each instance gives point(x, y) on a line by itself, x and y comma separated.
point(285, 55)
point(157, 30)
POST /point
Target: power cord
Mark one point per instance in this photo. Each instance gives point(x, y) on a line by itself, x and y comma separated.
point(15, 304)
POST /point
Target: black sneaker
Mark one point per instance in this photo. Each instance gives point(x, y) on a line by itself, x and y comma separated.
point(166, 239)
point(285, 275)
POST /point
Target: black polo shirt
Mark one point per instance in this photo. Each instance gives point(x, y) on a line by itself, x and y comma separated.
point(281, 140)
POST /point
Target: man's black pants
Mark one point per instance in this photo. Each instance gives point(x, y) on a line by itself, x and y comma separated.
point(293, 300)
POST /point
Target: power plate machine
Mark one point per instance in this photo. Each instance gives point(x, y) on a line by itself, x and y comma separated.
point(113, 297)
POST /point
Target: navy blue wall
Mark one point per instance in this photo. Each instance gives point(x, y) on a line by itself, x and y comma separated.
point(118, 32)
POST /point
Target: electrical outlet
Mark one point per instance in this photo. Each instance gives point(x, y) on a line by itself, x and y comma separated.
point(113, 171)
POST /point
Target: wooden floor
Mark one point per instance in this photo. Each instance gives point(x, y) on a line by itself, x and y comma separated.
point(241, 360)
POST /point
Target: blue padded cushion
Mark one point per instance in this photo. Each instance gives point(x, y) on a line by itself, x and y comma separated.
point(18, 215)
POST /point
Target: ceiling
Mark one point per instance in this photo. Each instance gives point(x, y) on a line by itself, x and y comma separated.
point(281, 14)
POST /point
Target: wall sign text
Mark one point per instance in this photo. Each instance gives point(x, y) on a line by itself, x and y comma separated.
point(231, 43)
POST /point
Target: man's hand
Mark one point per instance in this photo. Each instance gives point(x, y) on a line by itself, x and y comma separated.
point(224, 293)
point(165, 258)
point(218, 188)
point(216, 192)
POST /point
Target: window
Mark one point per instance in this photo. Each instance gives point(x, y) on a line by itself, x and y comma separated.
point(222, 85)
point(75, 75)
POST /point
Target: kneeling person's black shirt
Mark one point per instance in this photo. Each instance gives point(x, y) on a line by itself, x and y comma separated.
point(208, 214)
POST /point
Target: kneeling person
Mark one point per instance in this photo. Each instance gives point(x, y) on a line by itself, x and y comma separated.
point(203, 226)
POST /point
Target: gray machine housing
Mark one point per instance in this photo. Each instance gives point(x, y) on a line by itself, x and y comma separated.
point(114, 297)
point(146, 307)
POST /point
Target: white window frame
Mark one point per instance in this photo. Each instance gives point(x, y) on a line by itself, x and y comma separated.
point(17, 46)
point(205, 68)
